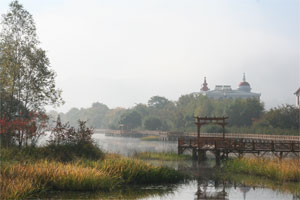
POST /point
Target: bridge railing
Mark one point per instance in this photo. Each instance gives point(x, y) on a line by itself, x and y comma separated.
point(236, 144)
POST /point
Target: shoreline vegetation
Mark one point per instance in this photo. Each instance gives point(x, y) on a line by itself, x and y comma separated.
point(30, 173)
point(282, 175)
point(150, 138)
point(163, 156)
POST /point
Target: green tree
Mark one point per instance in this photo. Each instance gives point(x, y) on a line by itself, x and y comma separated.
point(284, 117)
point(27, 83)
point(243, 112)
point(153, 123)
point(25, 73)
point(158, 102)
point(131, 119)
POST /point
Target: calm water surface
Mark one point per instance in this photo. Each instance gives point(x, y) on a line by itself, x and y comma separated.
point(204, 186)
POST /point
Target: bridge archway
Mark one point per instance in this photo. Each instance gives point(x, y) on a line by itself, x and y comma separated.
point(201, 121)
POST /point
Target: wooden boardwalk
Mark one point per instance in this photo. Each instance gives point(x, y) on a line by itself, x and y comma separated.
point(167, 135)
point(258, 145)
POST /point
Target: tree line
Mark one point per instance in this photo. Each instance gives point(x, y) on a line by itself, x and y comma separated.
point(245, 115)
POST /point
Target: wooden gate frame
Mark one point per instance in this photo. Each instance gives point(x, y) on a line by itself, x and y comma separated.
point(200, 121)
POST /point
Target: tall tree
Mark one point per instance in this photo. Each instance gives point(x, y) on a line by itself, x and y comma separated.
point(27, 83)
point(158, 102)
point(131, 119)
point(25, 74)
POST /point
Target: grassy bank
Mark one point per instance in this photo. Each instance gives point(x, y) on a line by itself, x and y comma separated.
point(284, 170)
point(61, 153)
point(30, 177)
point(151, 138)
point(166, 156)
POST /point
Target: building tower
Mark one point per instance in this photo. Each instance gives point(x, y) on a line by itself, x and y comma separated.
point(244, 86)
point(204, 86)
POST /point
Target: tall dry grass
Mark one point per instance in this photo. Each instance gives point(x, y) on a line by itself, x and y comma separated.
point(280, 170)
point(134, 171)
point(21, 180)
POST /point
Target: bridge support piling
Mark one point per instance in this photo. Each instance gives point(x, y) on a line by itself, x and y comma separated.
point(201, 155)
point(218, 157)
point(194, 154)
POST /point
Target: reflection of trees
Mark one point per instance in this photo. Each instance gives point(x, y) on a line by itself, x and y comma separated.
point(208, 189)
point(209, 184)
point(296, 197)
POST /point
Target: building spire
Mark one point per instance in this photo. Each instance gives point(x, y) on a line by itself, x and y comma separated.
point(244, 77)
point(204, 85)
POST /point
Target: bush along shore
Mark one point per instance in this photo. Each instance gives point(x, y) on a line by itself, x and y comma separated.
point(287, 170)
point(30, 172)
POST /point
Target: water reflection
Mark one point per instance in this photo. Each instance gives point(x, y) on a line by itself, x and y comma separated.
point(206, 182)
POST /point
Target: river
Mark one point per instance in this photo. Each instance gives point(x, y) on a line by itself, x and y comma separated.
point(205, 185)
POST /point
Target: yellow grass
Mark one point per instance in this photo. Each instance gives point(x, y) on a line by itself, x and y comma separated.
point(282, 170)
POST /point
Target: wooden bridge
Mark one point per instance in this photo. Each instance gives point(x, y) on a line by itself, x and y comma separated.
point(221, 145)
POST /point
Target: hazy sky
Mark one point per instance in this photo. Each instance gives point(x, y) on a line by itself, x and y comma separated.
point(123, 52)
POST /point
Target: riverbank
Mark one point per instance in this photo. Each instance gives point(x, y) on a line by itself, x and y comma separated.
point(164, 156)
point(287, 170)
point(28, 175)
point(150, 138)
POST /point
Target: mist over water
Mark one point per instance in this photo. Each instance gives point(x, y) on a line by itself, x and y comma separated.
point(204, 184)
point(128, 146)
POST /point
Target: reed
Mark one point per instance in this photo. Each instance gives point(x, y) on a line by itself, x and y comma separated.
point(280, 170)
point(134, 171)
point(24, 180)
point(166, 156)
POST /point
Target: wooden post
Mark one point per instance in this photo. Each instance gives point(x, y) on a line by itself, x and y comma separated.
point(218, 157)
point(198, 132)
point(194, 154)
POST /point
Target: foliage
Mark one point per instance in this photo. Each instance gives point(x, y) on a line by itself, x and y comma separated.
point(25, 69)
point(23, 130)
point(242, 112)
point(153, 123)
point(284, 117)
point(27, 83)
point(61, 153)
point(64, 134)
point(245, 115)
point(158, 102)
point(131, 119)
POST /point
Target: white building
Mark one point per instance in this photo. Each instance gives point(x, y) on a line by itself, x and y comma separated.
point(297, 93)
point(226, 92)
